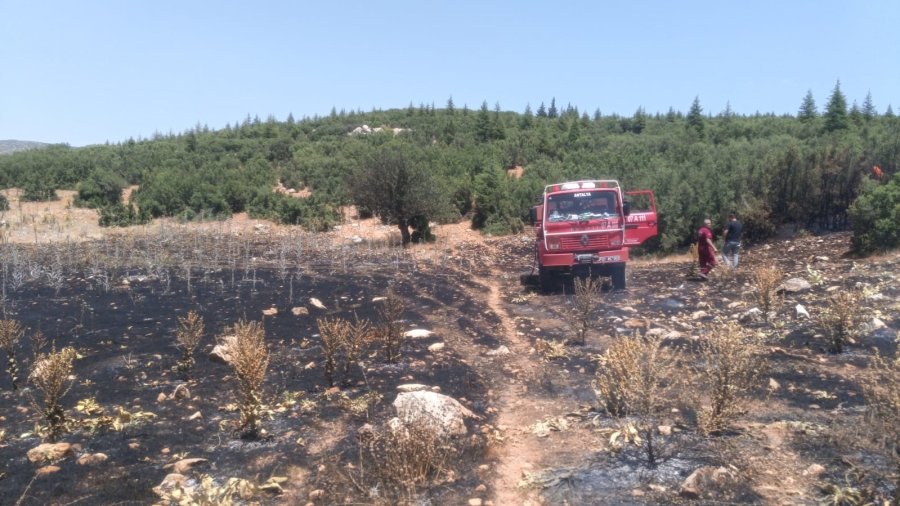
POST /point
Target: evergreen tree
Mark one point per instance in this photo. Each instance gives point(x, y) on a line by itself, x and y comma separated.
point(450, 108)
point(889, 112)
point(856, 115)
point(483, 124)
point(808, 111)
point(597, 115)
point(868, 108)
point(695, 119)
point(527, 120)
point(552, 112)
point(836, 110)
point(542, 111)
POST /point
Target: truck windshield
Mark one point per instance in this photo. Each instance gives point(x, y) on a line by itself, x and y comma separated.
point(581, 206)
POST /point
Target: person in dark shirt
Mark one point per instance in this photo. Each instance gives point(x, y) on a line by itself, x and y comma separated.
point(732, 246)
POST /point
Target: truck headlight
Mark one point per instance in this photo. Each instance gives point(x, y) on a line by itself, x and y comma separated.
point(553, 243)
point(615, 241)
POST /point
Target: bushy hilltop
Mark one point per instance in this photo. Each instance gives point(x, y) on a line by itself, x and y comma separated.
point(420, 164)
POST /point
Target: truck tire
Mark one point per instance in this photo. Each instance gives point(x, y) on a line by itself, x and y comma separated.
point(618, 276)
point(546, 278)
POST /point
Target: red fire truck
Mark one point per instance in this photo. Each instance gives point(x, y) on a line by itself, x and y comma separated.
point(587, 227)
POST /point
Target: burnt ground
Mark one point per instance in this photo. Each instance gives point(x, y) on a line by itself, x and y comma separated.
point(539, 437)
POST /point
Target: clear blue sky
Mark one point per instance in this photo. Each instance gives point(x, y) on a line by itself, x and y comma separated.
point(91, 71)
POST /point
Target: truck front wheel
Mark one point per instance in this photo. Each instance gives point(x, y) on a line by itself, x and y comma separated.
point(618, 276)
point(546, 278)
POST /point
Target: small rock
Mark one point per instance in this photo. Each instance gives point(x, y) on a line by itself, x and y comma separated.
point(752, 315)
point(635, 323)
point(92, 459)
point(801, 312)
point(299, 311)
point(657, 488)
point(873, 325)
point(46, 470)
point(311, 365)
point(316, 303)
point(49, 452)
point(436, 347)
point(814, 470)
point(161, 397)
point(317, 493)
point(773, 385)
point(181, 392)
point(636, 492)
point(665, 430)
point(196, 416)
point(502, 350)
point(481, 488)
point(418, 333)
point(185, 465)
point(696, 315)
point(475, 501)
point(272, 311)
point(794, 285)
point(703, 481)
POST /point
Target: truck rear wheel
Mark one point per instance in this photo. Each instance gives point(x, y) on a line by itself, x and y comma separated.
point(618, 276)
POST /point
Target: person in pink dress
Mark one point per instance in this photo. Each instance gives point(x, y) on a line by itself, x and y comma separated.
point(706, 248)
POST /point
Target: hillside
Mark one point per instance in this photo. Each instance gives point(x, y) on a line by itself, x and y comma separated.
point(11, 146)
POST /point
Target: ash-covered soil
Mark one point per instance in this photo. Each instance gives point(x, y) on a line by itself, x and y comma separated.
point(538, 435)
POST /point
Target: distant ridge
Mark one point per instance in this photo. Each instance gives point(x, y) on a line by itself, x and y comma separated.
point(11, 146)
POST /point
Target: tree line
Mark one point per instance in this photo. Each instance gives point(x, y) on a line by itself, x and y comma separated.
point(442, 164)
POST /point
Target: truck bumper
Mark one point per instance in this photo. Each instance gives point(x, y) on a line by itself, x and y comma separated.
point(553, 260)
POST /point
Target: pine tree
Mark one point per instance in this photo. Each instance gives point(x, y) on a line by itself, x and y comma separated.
point(542, 111)
point(450, 108)
point(527, 120)
point(483, 124)
point(808, 111)
point(552, 113)
point(889, 112)
point(695, 117)
point(868, 108)
point(836, 110)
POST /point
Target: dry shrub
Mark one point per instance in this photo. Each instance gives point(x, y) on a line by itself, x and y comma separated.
point(187, 338)
point(766, 280)
point(550, 350)
point(334, 332)
point(249, 360)
point(11, 333)
point(841, 320)
point(389, 331)
point(637, 377)
point(405, 456)
point(585, 304)
point(355, 342)
point(732, 363)
point(50, 376)
point(881, 388)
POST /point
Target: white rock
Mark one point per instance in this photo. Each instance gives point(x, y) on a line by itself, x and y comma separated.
point(502, 350)
point(412, 387)
point(873, 325)
point(418, 333)
point(436, 347)
point(801, 312)
point(794, 285)
point(445, 414)
point(316, 303)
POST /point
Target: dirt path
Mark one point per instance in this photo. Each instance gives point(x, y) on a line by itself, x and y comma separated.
point(519, 450)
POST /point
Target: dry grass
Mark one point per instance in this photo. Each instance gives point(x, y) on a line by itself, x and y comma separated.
point(881, 388)
point(841, 320)
point(389, 331)
point(50, 376)
point(550, 350)
point(11, 333)
point(249, 360)
point(187, 338)
point(637, 376)
point(355, 343)
point(585, 305)
point(766, 280)
point(731, 366)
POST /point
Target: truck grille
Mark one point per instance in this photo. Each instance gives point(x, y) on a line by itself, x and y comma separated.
point(573, 242)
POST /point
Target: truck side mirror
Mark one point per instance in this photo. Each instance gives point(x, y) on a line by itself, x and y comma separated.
point(626, 208)
point(534, 215)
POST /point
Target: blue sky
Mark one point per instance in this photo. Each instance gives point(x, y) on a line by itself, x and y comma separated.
point(91, 71)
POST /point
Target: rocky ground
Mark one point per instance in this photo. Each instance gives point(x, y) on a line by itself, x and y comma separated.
point(533, 430)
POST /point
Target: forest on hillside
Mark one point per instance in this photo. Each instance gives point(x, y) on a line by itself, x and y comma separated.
point(825, 169)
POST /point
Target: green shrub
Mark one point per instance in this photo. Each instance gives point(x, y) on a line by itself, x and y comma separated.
point(4, 203)
point(875, 215)
point(121, 215)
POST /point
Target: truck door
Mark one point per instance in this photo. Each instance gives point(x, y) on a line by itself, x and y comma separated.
point(640, 225)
